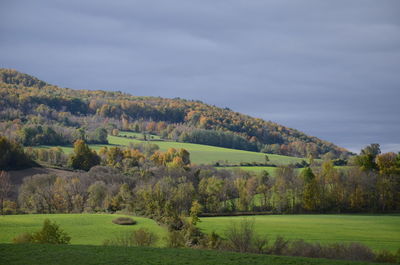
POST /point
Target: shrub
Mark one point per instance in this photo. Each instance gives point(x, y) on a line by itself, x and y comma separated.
point(352, 251)
point(279, 247)
point(241, 237)
point(140, 237)
point(124, 221)
point(23, 238)
point(385, 256)
point(49, 234)
point(143, 237)
point(213, 241)
point(175, 239)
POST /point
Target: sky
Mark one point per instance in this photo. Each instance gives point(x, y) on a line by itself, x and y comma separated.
point(328, 68)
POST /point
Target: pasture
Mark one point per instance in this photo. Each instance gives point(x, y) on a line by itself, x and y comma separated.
point(84, 229)
point(375, 231)
point(200, 154)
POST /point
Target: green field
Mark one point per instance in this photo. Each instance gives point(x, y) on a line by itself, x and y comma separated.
point(84, 229)
point(202, 154)
point(36, 254)
point(270, 170)
point(139, 135)
point(375, 231)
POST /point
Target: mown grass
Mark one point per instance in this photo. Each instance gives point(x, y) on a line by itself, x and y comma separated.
point(200, 154)
point(375, 231)
point(84, 229)
point(36, 254)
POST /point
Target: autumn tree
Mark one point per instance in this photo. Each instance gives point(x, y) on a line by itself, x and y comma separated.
point(83, 157)
point(12, 155)
point(366, 159)
point(310, 193)
point(5, 188)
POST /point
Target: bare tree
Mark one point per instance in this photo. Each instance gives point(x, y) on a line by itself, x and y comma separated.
point(5, 188)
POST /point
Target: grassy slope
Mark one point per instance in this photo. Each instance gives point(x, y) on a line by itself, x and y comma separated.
point(73, 255)
point(139, 135)
point(204, 154)
point(272, 170)
point(84, 229)
point(376, 231)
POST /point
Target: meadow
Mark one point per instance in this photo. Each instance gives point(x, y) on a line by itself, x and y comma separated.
point(200, 154)
point(36, 254)
point(84, 229)
point(375, 231)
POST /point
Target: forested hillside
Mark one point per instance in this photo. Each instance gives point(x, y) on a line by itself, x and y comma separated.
point(34, 112)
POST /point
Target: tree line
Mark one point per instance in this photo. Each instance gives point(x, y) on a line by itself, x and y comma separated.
point(165, 185)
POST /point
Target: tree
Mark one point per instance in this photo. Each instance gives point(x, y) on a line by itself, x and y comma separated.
point(366, 159)
point(83, 158)
point(5, 188)
point(195, 210)
point(97, 195)
point(37, 193)
point(12, 155)
point(310, 193)
point(264, 187)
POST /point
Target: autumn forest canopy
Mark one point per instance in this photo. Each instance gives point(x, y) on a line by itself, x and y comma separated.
point(34, 113)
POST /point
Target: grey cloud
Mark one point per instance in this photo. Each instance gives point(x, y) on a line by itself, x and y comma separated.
point(329, 68)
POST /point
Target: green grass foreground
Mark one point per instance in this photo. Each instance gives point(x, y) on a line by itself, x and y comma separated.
point(84, 229)
point(36, 254)
point(376, 231)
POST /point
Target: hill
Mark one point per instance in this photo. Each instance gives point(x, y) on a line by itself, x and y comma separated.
point(36, 113)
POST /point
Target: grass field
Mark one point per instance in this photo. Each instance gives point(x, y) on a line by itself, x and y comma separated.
point(201, 154)
point(375, 231)
point(270, 170)
point(139, 135)
point(84, 229)
point(36, 254)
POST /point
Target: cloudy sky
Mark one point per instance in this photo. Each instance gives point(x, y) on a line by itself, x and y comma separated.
point(328, 68)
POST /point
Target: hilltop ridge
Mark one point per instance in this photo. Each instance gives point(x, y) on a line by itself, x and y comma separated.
point(27, 102)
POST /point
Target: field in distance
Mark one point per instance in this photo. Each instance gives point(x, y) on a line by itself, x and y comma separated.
point(202, 154)
point(375, 231)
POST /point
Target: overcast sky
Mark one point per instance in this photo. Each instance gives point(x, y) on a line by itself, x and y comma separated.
point(328, 68)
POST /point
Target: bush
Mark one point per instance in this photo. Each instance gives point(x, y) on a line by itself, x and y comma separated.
point(279, 247)
point(23, 238)
point(140, 237)
point(175, 239)
point(240, 235)
point(352, 251)
point(143, 237)
point(124, 221)
point(49, 234)
point(385, 256)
